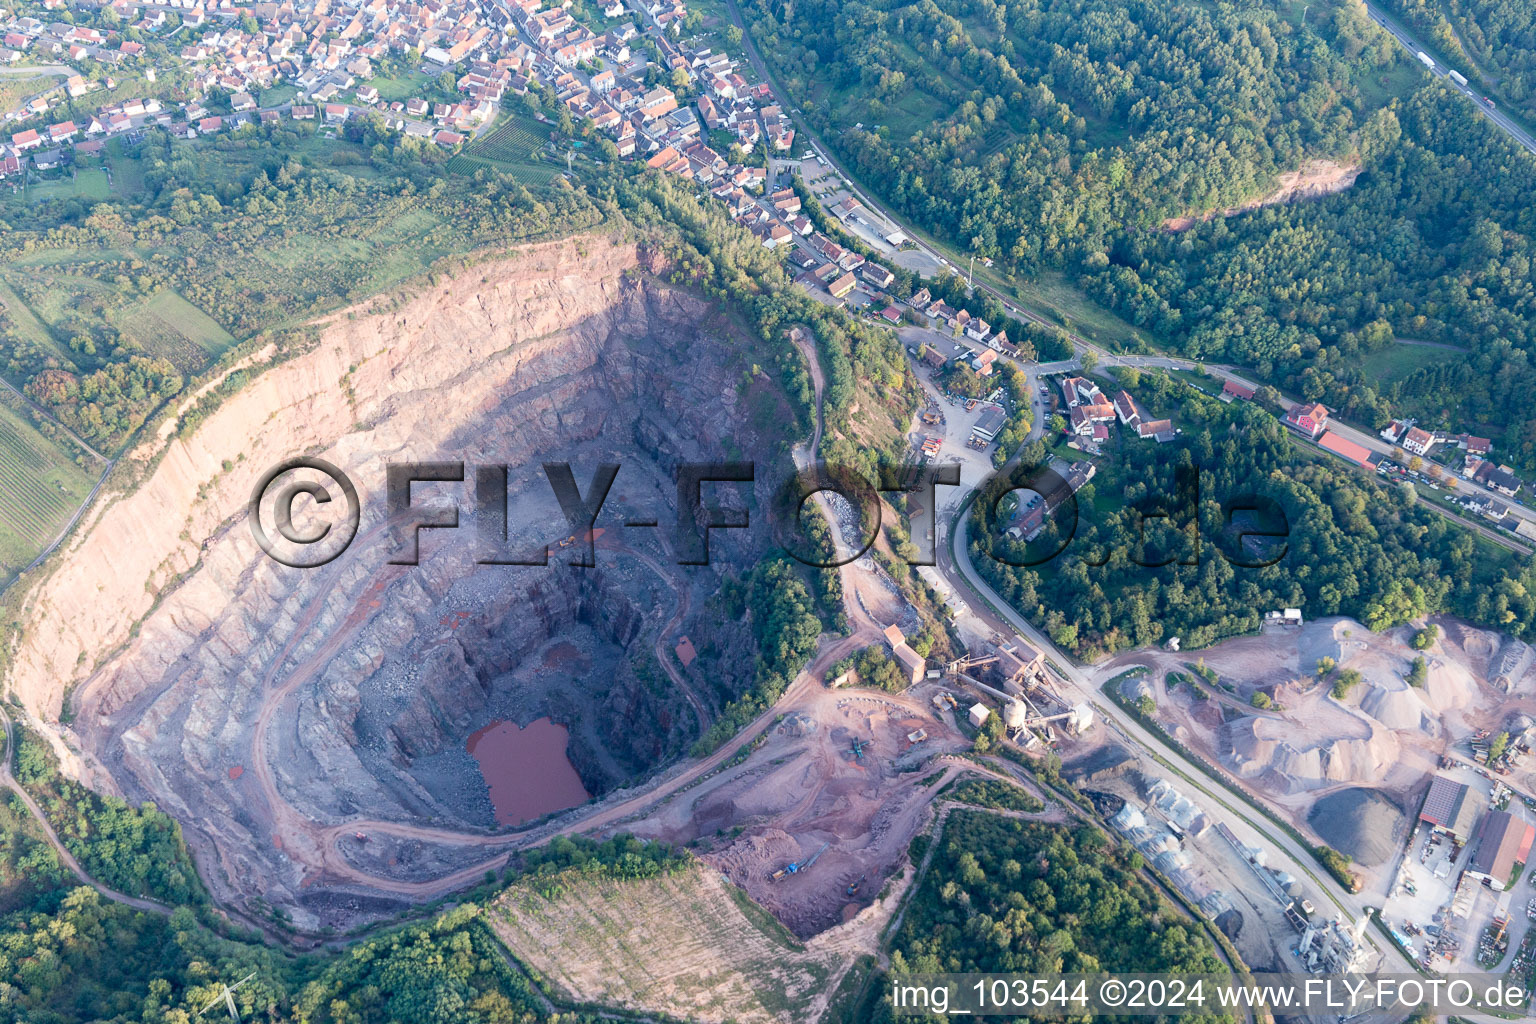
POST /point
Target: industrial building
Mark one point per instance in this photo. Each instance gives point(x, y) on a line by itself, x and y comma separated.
point(1347, 449)
point(1334, 949)
point(1019, 664)
point(1503, 841)
point(912, 664)
point(1452, 808)
point(990, 423)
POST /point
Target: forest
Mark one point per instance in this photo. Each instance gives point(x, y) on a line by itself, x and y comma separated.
point(135, 850)
point(784, 624)
point(1035, 130)
point(1004, 896)
point(68, 955)
point(1434, 244)
point(1078, 135)
point(1100, 582)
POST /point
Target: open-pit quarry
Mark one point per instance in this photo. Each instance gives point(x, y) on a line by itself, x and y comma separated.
point(309, 727)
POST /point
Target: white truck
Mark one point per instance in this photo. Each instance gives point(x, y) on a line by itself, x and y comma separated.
point(1426, 60)
point(1457, 77)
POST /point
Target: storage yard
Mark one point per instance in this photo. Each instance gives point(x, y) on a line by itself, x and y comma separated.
point(1427, 786)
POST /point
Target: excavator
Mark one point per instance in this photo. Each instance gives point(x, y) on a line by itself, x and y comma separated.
point(795, 867)
point(858, 749)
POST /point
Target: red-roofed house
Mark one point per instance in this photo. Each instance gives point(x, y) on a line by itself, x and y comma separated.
point(1419, 441)
point(1310, 419)
point(1232, 389)
point(1125, 409)
point(1358, 454)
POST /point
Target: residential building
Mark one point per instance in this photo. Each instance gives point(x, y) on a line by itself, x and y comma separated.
point(1126, 410)
point(877, 275)
point(1309, 418)
point(1081, 391)
point(1419, 442)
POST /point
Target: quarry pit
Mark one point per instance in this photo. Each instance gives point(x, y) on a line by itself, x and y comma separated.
point(309, 728)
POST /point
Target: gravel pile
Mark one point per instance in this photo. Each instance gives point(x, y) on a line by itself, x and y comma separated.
point(1359, 822)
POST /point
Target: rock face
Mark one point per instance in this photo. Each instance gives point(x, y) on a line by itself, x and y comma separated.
point(346, 692)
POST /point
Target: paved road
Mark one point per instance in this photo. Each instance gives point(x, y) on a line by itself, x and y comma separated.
point(40, 69)
point(955, 563)
point(1408, 42)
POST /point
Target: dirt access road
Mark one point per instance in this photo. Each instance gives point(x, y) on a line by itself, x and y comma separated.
point(65, 857)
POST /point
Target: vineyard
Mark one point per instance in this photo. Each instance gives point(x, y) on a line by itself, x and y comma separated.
point(40, 488)
point(512, 142)
point(515, 147)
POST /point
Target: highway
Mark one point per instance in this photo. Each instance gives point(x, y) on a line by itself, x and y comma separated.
point(1505, 123)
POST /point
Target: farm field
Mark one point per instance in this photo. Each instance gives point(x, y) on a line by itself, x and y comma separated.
point(1400, 359)
point(683, 945)
point(168, 325)
point(509, 148)
point(40, 488)
point(533, 174)
point(54, 294)
point(512, 141)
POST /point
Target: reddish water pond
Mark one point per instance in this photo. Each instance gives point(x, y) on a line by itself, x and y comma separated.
point(526, 769)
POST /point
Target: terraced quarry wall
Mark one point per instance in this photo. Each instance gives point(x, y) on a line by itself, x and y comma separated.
point(279, 713)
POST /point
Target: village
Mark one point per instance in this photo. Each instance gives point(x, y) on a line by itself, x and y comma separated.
point(323, 63)
point(326, 56)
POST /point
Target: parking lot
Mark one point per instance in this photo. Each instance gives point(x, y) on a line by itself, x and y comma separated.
point(954, 434)
point(830, 189)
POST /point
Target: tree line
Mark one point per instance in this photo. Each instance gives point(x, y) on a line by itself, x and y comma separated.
point(1349, 544)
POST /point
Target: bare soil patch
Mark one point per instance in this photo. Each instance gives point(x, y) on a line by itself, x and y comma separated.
point(1314, 179)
